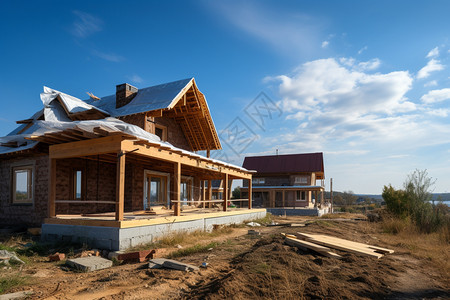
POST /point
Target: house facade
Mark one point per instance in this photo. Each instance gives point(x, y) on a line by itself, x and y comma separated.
point(127, 152)
point(293, 180)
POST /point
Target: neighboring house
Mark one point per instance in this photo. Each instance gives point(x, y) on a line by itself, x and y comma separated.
point(122, 153)
point(286, 180)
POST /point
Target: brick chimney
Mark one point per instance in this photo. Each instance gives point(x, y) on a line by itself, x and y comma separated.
point(124, 94)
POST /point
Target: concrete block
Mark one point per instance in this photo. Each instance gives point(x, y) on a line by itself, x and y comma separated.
point(89, 264)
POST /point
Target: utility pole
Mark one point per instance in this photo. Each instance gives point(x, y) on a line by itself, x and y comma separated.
point(331, 194)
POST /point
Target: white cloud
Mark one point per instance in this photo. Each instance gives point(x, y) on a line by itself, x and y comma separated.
point(108, 56)
point(434, 96)
point(440, 112)
point(85, 24)
point(135, 78)
point(337, 86)
point(432, 66)
point(325, 44)
point(433, 52)
point(431, 83)
point(362, 49)
point(291, 33)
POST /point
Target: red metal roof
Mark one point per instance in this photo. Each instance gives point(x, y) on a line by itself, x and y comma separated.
point(290, 163)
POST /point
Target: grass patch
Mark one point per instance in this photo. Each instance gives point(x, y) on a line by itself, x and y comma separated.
point(12, 281)
point(261, 268)
point(179, 238)
point(197, 248)
point(264, 221)
point(7, 248)
point(395, 225)
point(404, 233)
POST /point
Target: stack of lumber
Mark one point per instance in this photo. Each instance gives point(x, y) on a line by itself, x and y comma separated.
point(291, 240)
point(314, 241)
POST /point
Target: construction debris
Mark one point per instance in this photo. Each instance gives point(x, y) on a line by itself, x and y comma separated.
point(138, 256)
point(6, 257)
point(159, 263)
point(89, 264)
point(345, 245)
point(291, 240)
point(17, 295)
point(57, 257)
point(253, 224)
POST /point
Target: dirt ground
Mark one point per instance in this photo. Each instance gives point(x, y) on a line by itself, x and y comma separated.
point(255, 267)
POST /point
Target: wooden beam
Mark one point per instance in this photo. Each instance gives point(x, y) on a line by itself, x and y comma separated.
point(209, 192)
point(52, 188)
point(176, 189)
point(109, 144)
point(120, 185)
point(173, 156)
point(250, 193)
point(202, 182)
point(225, 192)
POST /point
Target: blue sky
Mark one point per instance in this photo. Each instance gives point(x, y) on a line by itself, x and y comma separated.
point(365, 82)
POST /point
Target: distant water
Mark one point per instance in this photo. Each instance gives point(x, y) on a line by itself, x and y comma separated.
point(445, 202)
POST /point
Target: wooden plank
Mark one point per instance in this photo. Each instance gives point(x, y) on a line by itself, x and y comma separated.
point(357, 245)
point(225, 192)
point(110, 144)
point(176, 189)
point(85, 201)
point(339, 245)
point(120, 186)
point(250, 193)
point(308, 245)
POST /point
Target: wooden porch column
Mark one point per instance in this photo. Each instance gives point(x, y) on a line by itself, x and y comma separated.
point(120, 185)
point(209, 192)
point(52, 189)
point(250, 194)
point(176, 189)
point(225, 192)
point(284, 198)
point(203, 193)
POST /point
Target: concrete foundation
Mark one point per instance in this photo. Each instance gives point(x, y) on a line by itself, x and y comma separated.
point(281, 211)
point(114, 238)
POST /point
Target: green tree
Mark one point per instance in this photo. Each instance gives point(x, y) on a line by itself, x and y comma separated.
point(236, 194)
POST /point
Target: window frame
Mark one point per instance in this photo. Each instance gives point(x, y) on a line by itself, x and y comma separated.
point(30, 168)
point(73, 185)
point(302, 196)
point(301, 179)
point(259, 181)
point(164, 132)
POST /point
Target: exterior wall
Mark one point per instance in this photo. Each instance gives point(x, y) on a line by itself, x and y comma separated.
point(175, 134)
point(137, 119)
point(100, 183)
point(24, 214)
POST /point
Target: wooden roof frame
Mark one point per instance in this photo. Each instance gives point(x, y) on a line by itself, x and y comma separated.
point(190, 110)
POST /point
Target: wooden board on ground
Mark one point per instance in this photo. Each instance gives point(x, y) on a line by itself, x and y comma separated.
point(353, 244)
point(291, 241)
point(345, 245)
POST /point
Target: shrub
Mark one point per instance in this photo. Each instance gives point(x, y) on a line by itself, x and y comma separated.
point(413, 202)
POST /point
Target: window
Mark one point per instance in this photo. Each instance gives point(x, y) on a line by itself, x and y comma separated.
point(161, 131)
point(301, 196)
point(259, 180)
point(78, 184)
point(301, 179)
point(22, 185)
